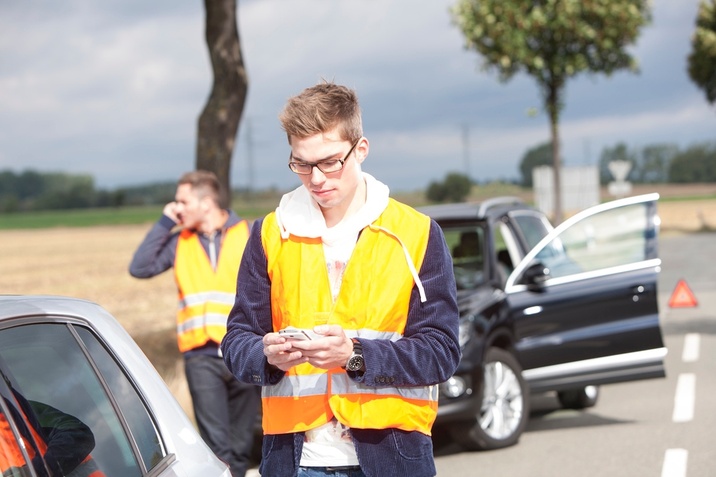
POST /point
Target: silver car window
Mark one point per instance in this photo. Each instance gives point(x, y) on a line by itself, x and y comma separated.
point(48, 365)
point(141, 425)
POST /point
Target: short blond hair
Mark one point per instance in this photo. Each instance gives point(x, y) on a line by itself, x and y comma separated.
point(319, 109)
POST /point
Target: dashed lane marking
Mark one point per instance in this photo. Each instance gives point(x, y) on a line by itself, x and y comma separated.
point(692, 342)
point(675, 461)
point(684, 400)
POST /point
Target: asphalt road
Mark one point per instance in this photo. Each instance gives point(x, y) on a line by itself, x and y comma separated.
point(653, 428)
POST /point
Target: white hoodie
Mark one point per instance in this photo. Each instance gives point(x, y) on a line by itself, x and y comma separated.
point(300, 215)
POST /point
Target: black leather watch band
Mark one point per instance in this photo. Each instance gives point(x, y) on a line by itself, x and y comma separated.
point(356, 362)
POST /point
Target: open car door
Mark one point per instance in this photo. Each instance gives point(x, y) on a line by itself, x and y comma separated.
point(584, 299)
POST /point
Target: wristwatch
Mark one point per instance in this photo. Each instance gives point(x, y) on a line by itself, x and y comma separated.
point(355, 361)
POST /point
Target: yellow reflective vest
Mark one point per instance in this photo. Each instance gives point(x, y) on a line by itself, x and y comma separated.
point(372, 303)
point(206, 296)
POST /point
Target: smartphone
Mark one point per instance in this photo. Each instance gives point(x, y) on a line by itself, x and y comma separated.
point(294, 334)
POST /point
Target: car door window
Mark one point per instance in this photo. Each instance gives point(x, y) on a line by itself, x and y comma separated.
point(138, 419)
point(618, 234)
point(531, 227)
point(48, 365)
point(508, 251)
point(610, 239)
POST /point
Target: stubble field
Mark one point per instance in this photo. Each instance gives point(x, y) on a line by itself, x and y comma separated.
point(92, 263)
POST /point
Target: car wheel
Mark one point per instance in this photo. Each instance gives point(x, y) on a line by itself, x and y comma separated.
point(504, 406)
point(579, 398)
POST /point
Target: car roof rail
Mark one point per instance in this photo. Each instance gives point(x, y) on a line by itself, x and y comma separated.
point(495, 201)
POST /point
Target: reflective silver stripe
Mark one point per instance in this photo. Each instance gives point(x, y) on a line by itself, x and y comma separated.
point(342, 384)
point(316, 385)
point(596, 364)
point(297, 386)
point(193, 299)
point(209, 319)
point(362, 333)
point(373, 334)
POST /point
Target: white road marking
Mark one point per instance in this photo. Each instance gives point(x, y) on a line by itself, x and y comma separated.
point(692, 343)
point(675, 463)
point(684, 399)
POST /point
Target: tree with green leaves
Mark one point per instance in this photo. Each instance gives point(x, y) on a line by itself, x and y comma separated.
point(552, 41)
point(537, 156)
point(695, 164)
point(454, 188)
point(655, 162)
point(702, 60)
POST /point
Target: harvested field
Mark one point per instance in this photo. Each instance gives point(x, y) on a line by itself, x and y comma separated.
point(92, 263)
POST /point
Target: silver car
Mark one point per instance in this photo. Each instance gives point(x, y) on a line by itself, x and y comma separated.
point(79, 398)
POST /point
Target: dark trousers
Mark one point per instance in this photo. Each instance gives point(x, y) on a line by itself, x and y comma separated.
point(225, 409)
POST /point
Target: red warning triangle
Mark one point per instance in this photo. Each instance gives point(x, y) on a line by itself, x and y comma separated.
point(682, 297)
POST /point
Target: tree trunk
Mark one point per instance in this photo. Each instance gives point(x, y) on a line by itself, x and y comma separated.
point(553, 111)
point(219, 121)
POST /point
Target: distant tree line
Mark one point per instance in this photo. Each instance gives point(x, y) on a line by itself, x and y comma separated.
point(653, 164)
point(658, 163)
point(31, 190)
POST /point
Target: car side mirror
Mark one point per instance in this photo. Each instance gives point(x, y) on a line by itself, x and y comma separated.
point(535, 276)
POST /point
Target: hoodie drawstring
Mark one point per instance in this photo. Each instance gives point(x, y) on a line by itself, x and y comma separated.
point(408, 259)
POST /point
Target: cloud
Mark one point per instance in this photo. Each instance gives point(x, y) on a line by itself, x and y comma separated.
point(115, 88)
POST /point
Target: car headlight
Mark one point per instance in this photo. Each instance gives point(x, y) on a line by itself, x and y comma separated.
point(454, 387)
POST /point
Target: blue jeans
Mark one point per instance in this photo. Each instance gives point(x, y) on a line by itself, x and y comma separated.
point(331, 472)
point(225, 409)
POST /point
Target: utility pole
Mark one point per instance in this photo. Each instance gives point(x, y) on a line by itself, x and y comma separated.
point(249, 160)
point(466, 147)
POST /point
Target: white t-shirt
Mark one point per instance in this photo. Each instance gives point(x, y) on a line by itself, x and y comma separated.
point(330, 445)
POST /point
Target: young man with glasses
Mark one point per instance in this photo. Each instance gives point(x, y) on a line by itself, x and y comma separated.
point(364, 286)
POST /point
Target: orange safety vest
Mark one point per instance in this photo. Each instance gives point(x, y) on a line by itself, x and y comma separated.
point(11, 454)
point(372, 303)
point(206, 296)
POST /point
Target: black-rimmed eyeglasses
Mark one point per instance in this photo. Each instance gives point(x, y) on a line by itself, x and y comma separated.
point(328, 166)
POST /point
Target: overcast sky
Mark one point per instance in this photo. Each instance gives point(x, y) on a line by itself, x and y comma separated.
point(114, 88)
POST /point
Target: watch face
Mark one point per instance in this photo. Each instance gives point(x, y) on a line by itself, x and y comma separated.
point(355, 363)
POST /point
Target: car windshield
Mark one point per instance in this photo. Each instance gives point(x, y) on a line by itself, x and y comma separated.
point(467, 246)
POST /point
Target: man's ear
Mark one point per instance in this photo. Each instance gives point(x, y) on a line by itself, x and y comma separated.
point(362, 149)
point(206, 204)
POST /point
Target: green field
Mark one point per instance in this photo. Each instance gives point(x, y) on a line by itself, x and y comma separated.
point(260, 207)
point(79, 217)
point(103, 216)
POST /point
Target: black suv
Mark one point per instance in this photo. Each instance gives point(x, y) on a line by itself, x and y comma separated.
point(562, 309)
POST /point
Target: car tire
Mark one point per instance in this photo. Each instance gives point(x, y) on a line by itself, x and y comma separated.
point(579, 398)
point(504, 409)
